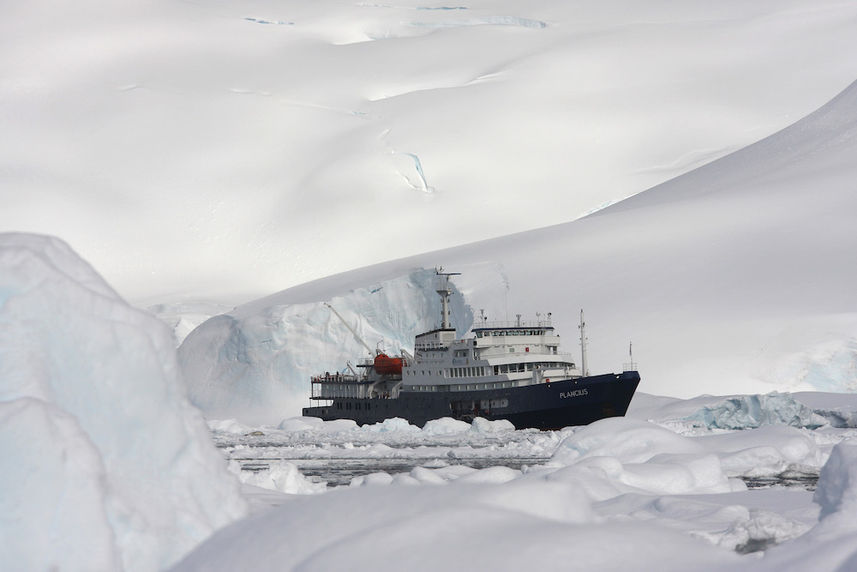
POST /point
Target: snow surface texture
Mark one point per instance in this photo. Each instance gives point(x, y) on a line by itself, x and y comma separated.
point(106, 465)
point(230, 149)
point(254, 363)
point(621, 483)
point(729, 279)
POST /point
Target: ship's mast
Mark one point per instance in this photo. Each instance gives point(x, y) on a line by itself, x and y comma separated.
point(582, 327)
point(444, 292)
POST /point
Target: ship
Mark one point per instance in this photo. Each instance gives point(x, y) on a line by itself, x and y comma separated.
point(510, 370)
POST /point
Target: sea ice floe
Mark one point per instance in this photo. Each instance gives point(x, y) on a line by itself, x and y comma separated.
point(280, 476)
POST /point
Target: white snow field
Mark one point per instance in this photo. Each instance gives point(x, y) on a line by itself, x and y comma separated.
point(105, 464)
point(224, 150)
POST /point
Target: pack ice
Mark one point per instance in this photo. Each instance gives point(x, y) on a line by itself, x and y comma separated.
point(106, 464)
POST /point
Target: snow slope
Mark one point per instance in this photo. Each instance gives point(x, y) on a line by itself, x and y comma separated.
point(105, 464)
point(733, 278)
point(224, 150)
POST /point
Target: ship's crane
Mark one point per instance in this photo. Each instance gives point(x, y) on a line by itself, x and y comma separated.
point(382, 363)
point(352, 330)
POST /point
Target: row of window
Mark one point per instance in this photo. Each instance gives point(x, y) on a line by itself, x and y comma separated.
point(481, 333)
point(480, 371)
point(467, 386)
point(367, 405)
point(477, 371)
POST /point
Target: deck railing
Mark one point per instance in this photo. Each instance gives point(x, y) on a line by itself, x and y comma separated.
point(511, 324)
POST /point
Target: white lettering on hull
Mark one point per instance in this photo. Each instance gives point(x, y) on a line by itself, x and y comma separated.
point(573, 393)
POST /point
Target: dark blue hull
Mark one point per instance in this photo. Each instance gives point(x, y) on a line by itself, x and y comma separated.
point(544, 406)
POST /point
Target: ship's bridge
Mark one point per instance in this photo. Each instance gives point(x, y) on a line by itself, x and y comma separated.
point(496, 339)
point(435, 340)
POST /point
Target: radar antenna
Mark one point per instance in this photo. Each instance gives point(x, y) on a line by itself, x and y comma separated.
point(630, 366)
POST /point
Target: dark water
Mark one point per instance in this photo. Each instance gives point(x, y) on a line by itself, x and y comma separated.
point(804, 481)
point(339, 472)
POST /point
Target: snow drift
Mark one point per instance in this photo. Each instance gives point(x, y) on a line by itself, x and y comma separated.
point(106, 464)
point(516, 525)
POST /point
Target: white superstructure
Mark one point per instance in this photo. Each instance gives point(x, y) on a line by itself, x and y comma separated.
point(497, 355)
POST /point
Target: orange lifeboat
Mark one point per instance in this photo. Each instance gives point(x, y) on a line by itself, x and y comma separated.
point(385, 364)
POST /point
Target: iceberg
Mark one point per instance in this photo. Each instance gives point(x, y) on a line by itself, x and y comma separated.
point(751, 411)
point(107, 465)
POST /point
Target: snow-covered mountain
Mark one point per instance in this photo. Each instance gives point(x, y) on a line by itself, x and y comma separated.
point(225, 150)
point(733, 278)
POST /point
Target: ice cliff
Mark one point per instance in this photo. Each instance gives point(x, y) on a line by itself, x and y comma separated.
point(254, 363)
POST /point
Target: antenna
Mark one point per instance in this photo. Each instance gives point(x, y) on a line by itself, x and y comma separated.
point(630, 366)
point(444, 291)
point(582, 327)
